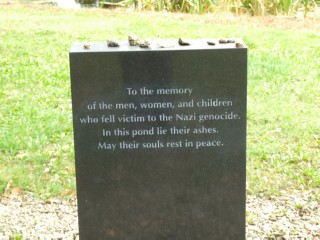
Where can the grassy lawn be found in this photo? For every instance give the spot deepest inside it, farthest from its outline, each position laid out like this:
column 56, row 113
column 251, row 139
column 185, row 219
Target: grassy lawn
column 36, row 139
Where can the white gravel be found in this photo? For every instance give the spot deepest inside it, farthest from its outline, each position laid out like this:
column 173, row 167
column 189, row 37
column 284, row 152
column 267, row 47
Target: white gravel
column 29, row 218
column 293, row 215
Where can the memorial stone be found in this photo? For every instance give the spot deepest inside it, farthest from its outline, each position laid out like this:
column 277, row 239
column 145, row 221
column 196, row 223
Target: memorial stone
column 160, row 140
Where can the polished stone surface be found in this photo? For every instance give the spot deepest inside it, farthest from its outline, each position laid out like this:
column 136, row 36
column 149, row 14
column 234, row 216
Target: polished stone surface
column 177, row 185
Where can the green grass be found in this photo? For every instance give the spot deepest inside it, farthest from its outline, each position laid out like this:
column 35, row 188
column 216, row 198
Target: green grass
column 254, row 7
column 36, row 141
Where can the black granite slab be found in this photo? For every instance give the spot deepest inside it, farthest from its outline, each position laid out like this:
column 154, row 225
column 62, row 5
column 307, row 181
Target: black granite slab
column 160, row 141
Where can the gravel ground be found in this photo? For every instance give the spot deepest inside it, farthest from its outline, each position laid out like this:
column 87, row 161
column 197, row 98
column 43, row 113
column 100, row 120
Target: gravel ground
column 288, row 216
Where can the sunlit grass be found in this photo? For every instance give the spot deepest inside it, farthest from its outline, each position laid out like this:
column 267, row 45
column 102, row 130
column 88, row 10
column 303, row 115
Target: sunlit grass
column 253, row 7
column 36, row 141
